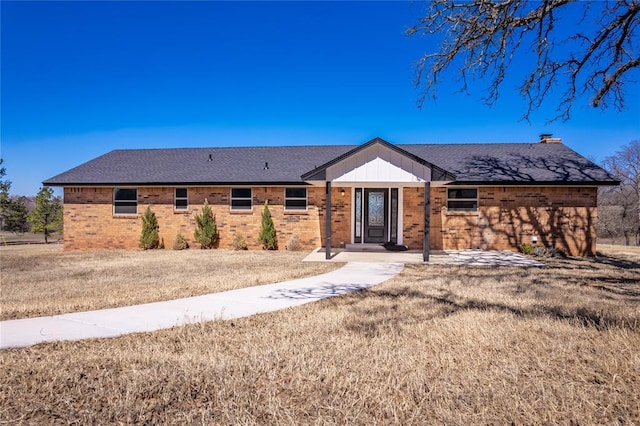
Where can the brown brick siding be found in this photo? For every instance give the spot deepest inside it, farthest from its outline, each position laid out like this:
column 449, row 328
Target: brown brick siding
column 563, row 217
column 89, row 221
column 413, row 217
column 340, row 215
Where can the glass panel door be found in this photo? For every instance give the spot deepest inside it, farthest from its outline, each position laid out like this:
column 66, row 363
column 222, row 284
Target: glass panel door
column 375, row 224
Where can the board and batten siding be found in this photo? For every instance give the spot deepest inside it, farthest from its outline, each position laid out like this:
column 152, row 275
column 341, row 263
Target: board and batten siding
column 378, row 163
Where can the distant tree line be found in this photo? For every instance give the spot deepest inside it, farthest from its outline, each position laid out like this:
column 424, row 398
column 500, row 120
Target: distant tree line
column 619, row 206
column 19, row 214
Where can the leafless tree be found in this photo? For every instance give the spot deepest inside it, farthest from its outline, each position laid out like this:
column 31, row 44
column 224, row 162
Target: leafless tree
column 625, row 166
column 587, row 48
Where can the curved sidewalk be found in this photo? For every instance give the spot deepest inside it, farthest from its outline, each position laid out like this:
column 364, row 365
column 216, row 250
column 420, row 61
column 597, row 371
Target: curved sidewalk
column 225, row 305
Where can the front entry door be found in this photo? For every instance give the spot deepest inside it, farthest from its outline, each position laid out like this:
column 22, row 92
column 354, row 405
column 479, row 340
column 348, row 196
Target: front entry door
column 375, row 215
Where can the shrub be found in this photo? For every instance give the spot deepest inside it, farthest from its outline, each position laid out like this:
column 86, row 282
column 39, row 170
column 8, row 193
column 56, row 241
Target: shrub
column 293, row 244
column 526, row 248
column 206, row 232
column 267, row 230
column 149, row 238
column 239, row 243
column 180, row 243
column 539, row 251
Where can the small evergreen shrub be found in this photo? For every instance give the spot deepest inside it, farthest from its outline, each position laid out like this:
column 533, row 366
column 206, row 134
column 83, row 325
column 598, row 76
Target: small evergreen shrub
column 239, row 242
column 180, row 243
column 293, row 244
column 206, row 232
column 267, row 230
column 526, row 248
column 149, row 238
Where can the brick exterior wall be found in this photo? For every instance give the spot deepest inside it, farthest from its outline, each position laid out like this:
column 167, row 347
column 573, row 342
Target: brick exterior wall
column 89, row 221
column 413, row 218
column 563, row 217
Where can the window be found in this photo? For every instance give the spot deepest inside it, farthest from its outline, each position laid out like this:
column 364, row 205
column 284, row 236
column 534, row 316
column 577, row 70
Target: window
column 241, row 198
column 394, row 215
column 181, row 200
column 358, row 219
column 125, row 201
column 462, row 199
column 295, row 198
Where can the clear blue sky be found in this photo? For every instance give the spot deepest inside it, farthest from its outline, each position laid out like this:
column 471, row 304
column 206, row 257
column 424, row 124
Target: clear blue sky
column 81, row 79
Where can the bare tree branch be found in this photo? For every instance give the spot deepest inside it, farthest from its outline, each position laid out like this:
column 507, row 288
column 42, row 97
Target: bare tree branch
column 625, row 165
column 480, row 39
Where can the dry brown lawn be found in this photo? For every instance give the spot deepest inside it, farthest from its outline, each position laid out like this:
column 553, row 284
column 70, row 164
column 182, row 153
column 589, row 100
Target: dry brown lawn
column 434, row 345
column 42, row 280
column 631, row 253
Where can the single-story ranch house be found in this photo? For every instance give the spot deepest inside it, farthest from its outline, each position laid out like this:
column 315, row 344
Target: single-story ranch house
column 425, row 196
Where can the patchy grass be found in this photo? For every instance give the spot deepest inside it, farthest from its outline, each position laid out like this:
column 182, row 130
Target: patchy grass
column 629, row 253
column 42, row 280
column 436, row 344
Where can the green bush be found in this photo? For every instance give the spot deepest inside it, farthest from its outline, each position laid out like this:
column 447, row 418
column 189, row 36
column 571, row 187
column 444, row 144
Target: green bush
column 180, row 243
column 206, row 232
column 149, row 238
column 267, row 230
column 526, row 248
column 239, row 242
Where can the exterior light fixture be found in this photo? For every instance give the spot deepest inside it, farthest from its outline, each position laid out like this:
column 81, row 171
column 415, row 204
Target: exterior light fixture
column 342, row 192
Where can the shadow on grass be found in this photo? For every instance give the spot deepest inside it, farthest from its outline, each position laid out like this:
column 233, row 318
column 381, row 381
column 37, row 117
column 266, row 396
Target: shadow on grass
column 369, row 321
column 584, row 316
column 375, row 310
column 617, row 262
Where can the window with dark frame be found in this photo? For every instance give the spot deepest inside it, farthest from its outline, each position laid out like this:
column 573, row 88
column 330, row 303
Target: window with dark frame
column 125, row 201
column 241, row 198
column 358, row 216
column 181, row 200
column 394, row 215
column 295, row 198
column 462, row 199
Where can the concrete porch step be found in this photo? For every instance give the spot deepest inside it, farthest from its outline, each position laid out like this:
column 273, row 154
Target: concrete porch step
column 364, row 247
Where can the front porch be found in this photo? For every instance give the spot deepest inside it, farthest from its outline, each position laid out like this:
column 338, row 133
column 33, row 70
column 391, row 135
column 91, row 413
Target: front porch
column 374, row 194
column 437, row 257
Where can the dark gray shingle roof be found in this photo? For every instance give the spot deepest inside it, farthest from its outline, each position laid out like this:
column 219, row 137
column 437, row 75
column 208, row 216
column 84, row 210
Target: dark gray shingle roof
column 507, row 163
column 513, row 162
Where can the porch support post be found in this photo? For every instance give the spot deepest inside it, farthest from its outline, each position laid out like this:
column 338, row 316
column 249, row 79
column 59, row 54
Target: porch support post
column 427, row 220
column 327, row 223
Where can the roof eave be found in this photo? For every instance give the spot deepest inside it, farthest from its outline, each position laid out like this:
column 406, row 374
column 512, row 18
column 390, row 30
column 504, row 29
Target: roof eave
column 116, row 184
column 533, row 183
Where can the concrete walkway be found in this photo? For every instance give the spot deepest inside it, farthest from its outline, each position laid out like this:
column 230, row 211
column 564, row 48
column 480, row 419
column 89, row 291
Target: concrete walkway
column 437, row 257
column 226, row 305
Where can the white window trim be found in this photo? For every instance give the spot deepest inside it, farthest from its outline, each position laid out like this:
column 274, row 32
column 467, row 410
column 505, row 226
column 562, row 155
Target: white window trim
column 231, row 198
column 306, row 199
column 115, row 200
column 476, row 199
column 176, row 198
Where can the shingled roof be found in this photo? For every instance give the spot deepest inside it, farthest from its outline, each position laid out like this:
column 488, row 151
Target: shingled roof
column 522, row 163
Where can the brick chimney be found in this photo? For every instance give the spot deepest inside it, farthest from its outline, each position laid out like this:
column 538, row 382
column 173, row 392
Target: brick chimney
column 547, row 138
